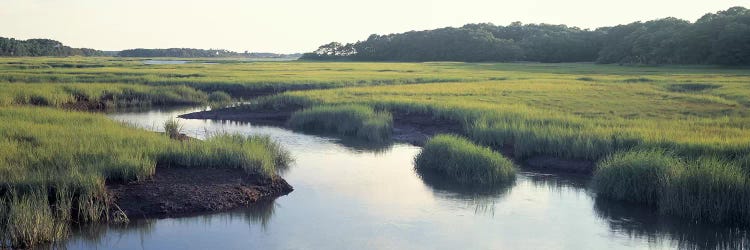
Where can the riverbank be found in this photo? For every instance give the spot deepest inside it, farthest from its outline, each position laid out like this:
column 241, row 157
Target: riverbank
column 410, row 128
column 176, row 191
column 60, row 168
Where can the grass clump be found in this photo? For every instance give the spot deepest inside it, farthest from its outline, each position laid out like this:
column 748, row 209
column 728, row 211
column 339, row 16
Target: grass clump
column 348, row 120
column 464, row 162
column 254, row 154
column 173, row 128
column 219, row 97
column 636, row 176
column 709, row 190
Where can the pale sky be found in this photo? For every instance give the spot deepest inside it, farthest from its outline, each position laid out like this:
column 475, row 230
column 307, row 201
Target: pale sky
column 287, row 26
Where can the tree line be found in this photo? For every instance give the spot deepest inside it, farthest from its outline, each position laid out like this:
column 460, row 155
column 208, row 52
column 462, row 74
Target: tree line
column 177, row 52
column 42, row 47
column 188, row 52
column 716, row 38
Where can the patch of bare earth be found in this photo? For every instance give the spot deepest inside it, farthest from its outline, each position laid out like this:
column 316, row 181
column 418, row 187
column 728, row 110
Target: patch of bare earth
column 183, row 191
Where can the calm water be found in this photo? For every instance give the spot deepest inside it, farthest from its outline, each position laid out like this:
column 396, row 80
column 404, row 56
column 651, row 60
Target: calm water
column 158, row 62
column 350, row 195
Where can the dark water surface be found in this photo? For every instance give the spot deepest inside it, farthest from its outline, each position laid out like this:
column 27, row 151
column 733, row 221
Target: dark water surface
column 356, row 196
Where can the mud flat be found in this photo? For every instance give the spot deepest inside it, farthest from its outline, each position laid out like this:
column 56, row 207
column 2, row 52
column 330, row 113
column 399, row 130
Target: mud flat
column 177, row 191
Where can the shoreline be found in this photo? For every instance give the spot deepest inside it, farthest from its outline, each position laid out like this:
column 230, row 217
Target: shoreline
column 410, row 128
column 181, row 191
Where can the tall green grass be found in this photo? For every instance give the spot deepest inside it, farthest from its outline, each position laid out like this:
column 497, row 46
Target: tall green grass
column 706, row 190
column 349, row 120
column 548, row 111
column 98, row 96
column 709, row 190
column 462, row 161
column 54, row 165
column 254, row 154
column 639, row 176
column 173, row 128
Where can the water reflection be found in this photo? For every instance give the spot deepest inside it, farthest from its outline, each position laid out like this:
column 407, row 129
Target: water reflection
column 638, row 221
column 368, row 196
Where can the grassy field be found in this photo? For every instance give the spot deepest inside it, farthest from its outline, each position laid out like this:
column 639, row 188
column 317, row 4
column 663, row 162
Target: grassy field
column 55, row 159
column 697, row 115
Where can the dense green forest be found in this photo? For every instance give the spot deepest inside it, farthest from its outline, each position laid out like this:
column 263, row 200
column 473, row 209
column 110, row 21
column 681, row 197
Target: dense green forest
column 716, row 38
column 43, row 47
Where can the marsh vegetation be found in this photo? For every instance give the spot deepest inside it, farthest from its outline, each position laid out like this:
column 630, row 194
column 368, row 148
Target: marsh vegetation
column 460, row 160
column 673, row 138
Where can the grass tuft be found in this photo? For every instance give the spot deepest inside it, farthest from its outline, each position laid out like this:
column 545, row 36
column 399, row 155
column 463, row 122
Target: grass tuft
column 173, row 128
column 348, row 120
column 636, row 176
column 464, row 162
column 219, row 97
column 709, row 190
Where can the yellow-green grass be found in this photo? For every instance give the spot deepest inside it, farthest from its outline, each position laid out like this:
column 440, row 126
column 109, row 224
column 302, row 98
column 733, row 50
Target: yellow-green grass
column 103, row 96
column 459, row 160
column 241, row 78
column 565, row 118
column 590, row 112
column 54, row 165
column 640, row 176
column 346, row 120
column 574, row 111
column 706, row 189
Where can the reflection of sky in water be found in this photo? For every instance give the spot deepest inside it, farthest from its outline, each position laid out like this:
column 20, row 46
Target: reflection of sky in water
column 351, row 199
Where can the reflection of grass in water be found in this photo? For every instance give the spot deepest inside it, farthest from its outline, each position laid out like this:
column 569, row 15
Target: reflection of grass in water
column 258, row 213
column 639, row 221
column 351, row 120
column 92, row 234
column 481, row 197
column 557, row 181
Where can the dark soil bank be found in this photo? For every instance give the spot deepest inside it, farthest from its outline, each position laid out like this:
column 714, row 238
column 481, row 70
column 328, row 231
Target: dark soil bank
column 183, row 191
column 412, row 128
column 261, row 117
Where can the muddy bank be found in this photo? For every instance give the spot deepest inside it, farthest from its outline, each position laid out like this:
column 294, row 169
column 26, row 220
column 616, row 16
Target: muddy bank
column 240, row 114
column 411, row 128
column 179, row 191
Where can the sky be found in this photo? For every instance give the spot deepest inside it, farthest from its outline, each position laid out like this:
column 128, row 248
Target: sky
column 288, row 26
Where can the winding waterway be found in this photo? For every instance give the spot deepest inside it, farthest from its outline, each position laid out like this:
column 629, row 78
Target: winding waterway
column 352, row 195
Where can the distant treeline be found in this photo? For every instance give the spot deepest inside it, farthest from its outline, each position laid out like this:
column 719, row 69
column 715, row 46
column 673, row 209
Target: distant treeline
column 188, row 52
column 716, row 38
column 176, row 52
column 47, row 47
column 43, row 47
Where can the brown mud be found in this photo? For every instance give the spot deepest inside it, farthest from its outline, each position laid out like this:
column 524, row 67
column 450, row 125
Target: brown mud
column 412, row 128
column 178, row 191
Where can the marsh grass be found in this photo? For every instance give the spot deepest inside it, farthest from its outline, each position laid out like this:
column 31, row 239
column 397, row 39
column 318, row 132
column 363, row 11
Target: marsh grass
column 348, row 120
column 173, row 128
column 560, row 112
column 54, row 165
column 709, row 190
column 98, row 96
column 254, row 154
column 219, row 97
column 706, row 190
column 639, row 176
column 461, row 161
